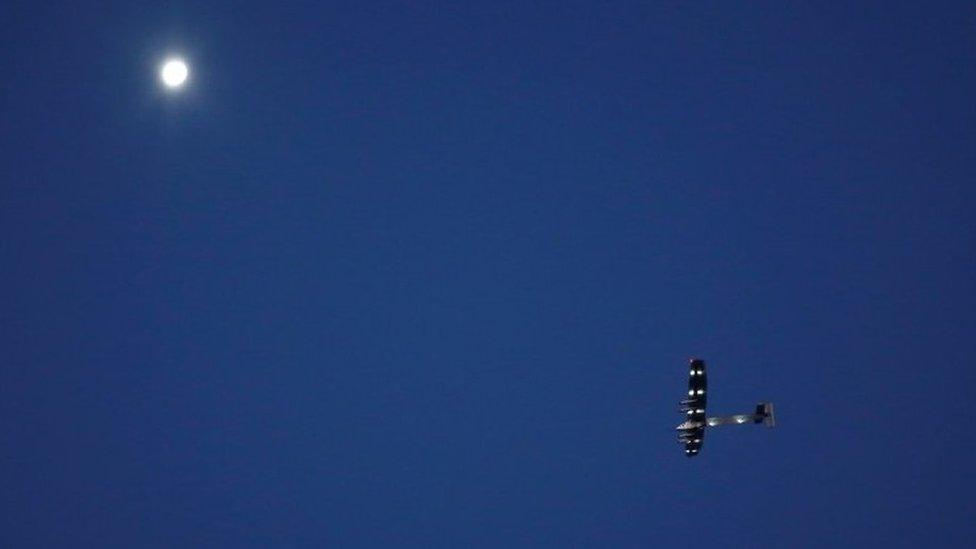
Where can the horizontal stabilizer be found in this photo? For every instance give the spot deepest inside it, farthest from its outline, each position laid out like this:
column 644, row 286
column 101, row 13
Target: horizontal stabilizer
column 769, row 416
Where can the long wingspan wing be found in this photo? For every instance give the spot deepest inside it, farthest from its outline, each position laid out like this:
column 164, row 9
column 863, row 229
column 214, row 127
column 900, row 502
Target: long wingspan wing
column 691, row 433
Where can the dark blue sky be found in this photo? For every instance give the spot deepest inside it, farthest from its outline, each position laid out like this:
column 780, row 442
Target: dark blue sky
column 392, row 275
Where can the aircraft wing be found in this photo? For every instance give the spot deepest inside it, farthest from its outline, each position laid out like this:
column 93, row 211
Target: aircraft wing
column 691, row 433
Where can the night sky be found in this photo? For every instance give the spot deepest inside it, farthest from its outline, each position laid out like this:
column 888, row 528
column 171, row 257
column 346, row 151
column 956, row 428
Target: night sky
column 428, row 275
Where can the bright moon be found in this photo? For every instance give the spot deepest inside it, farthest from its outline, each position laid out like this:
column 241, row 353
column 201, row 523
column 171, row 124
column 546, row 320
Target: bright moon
column 174, row 73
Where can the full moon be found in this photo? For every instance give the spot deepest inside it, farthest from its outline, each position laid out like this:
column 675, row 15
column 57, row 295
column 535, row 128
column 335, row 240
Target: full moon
column 174, row 73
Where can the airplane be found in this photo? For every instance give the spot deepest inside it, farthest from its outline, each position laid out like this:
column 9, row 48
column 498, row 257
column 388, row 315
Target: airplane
column 691, row 432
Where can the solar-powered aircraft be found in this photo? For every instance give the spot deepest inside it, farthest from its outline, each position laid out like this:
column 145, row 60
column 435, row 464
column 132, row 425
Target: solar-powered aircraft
column 692, row 431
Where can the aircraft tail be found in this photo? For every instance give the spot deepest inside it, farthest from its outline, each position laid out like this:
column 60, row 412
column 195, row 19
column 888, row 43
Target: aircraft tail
column 765, row 414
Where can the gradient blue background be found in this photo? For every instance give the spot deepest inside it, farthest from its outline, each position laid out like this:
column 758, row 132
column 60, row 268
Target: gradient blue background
column 415, row 274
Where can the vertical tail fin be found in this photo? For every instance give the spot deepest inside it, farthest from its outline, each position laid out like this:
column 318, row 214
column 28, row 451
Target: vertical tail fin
column 765, row 414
